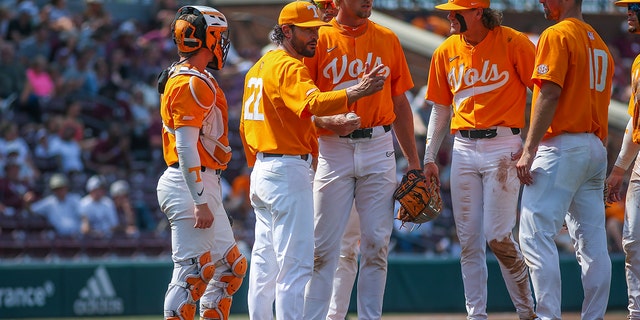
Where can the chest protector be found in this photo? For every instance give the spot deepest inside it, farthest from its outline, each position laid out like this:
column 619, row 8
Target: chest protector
column 212, row 133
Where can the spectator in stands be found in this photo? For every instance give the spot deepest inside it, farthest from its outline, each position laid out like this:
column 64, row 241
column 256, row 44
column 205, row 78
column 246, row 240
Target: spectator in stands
column 134, row 215
column 94, row 17
column 98, row 212
column 14, row 147
column 39, row 89
column 119, row 191
column 45, row 157
column 73, row 118
column 61, row 208
column 112, row 153
column 70, row 151
column 12, row 190
column 38, row 44
column 21, row 26
column 12, row 77
column 59, row 17
column 81, row 80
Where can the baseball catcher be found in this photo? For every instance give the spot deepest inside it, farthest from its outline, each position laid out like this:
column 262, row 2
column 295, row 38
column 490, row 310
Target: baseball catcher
column 419, row 199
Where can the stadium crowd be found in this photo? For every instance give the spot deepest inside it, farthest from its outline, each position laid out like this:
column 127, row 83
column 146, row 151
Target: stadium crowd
column 79, row 112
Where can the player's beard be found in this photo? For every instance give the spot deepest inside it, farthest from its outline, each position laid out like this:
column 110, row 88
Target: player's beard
column 302, row 48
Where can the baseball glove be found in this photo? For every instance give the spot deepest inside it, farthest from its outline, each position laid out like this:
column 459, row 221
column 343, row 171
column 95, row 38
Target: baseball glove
column 420, row 200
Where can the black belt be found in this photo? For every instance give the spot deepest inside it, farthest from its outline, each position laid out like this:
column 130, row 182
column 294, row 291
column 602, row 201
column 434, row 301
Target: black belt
column 202, row 168
column 364, row 132
column 304, row 157
column 484, row 134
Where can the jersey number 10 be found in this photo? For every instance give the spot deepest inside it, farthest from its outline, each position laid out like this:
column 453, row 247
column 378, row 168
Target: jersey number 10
column 598, row 66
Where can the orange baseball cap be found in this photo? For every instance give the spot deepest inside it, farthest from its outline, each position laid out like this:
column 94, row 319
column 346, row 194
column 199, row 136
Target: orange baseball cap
column 624, row 3
column 463, row 4
column 301, row 14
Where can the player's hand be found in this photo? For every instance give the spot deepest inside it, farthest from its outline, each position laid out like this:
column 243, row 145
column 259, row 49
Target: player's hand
column 339, row 124
column 204, row 216
column 614, row 181
column 431, row 170
column 525, row 160
column 373, row 80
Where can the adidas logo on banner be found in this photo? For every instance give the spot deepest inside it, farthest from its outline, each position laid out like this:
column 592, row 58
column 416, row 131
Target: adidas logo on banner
column 98, row 297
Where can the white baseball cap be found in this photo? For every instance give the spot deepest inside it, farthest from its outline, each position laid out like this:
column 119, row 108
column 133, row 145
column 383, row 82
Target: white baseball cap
column 95, row 182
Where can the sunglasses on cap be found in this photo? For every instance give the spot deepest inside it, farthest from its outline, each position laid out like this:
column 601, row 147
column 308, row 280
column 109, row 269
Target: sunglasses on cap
column 323, row 5
column 634, row 7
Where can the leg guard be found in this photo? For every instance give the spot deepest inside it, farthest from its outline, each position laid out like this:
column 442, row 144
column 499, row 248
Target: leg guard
column 198, row 282
column 194, row 284
column 230, row 281
column 237, row 264
column 186, row 311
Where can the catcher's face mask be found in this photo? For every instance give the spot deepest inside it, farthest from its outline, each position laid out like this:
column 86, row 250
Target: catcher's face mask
column 208, row 30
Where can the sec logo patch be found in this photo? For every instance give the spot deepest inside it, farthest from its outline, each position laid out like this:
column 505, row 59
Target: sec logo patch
column 543, row 68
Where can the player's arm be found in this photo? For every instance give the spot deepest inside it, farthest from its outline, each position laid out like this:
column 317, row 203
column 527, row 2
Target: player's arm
column 403, row 128
column 541, row 119
column 339, row 124
column 369, row 84
column 628, row 152
column 436, row 131
column 525, row 55
column 187, row 148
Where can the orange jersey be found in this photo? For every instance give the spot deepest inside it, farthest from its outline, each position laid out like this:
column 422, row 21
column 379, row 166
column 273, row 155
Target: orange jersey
column 486, row 84
column 634, row 110
column 188, row 101
column 278, row 102
column 572, row 55
column 340, row 61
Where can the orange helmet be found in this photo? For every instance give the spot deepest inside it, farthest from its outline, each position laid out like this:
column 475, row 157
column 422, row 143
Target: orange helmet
column 208, row 30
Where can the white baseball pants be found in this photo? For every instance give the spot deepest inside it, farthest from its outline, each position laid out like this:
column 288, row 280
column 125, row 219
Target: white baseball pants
column 347, row 269
column 568, row 172
column 484, row 191
column 188, row 242
column 631, row 243
column 360, row 170
column 282, row 255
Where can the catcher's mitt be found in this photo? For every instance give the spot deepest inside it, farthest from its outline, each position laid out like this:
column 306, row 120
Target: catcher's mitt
column 420, row 200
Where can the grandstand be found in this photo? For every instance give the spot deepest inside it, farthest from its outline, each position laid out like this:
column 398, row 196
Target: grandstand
column 29, row 240
column 23, row 236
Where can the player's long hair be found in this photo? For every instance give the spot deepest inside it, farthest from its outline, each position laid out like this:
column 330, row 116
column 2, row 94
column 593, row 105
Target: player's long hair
column 276, row 35
column 491, row 18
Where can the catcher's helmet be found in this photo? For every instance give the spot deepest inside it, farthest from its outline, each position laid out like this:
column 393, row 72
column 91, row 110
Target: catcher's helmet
column 208, row 30
column 624, row 3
